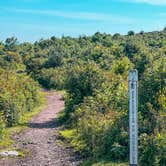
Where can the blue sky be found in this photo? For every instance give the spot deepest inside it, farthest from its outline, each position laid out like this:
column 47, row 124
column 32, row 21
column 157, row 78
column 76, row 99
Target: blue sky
column 30, row 20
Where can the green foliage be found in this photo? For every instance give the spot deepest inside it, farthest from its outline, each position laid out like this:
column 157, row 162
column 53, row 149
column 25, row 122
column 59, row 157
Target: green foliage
column 102, row 163
column 101, row 124
column 11, row 44
column 152, row 149
column 6, row 133
column 93, row 70
column 82, row 81
column 131, row 33
column 52, row 78
column 55, row 59
column 18, row 93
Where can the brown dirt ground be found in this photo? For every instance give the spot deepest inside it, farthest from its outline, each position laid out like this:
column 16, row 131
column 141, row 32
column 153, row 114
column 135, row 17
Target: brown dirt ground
column 40, row 141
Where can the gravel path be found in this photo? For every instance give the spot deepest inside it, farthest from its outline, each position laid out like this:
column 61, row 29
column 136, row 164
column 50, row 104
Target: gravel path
column 40, row 140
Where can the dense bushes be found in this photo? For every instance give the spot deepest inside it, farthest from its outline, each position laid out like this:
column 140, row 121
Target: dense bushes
column 98, row 109
column 18, row 92
column 93, row 70
column 52, row 78
column 97, row 104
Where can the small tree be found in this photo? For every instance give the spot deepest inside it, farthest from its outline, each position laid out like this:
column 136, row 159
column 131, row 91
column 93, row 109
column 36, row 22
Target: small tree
column 55, row 59
column 131, row 33
column 142, row 32
column 11, row 44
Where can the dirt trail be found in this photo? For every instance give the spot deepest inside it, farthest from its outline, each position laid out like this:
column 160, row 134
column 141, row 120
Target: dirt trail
column 40, row 140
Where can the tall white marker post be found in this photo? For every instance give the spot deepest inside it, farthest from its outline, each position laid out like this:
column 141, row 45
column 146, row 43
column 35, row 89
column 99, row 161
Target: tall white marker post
column 133, row 117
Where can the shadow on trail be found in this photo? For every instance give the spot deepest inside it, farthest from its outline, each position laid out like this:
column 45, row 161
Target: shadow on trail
column 48, row 124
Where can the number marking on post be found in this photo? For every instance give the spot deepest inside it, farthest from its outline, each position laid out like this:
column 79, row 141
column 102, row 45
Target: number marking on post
column 133, row 117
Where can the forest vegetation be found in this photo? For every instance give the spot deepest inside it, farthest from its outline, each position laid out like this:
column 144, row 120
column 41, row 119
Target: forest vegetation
column 93, row 71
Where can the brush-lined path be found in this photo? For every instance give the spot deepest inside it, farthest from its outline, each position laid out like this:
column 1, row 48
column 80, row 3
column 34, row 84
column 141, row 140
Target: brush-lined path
column 40, row 141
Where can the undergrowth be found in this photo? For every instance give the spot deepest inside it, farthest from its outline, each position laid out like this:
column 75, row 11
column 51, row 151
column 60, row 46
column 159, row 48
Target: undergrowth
column 6, row 141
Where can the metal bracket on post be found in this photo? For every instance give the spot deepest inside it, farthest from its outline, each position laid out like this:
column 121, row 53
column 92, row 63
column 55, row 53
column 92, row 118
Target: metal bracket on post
column 133, row 116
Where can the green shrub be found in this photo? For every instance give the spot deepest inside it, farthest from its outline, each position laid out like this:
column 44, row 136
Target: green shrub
column 19, row 94
column 81, row 81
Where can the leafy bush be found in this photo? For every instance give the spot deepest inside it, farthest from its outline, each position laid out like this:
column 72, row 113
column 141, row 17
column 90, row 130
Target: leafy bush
column 81, row 81
column 19, row 93
column 52, row 78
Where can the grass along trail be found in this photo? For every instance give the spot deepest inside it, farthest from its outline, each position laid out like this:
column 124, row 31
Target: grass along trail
column 40, row 140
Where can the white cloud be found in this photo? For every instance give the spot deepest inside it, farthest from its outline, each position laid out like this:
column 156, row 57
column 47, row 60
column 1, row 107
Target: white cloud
column 76, row 15
column 152, row 2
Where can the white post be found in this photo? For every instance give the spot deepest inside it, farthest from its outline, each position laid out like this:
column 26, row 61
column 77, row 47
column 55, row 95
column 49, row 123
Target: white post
column 133, row 117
